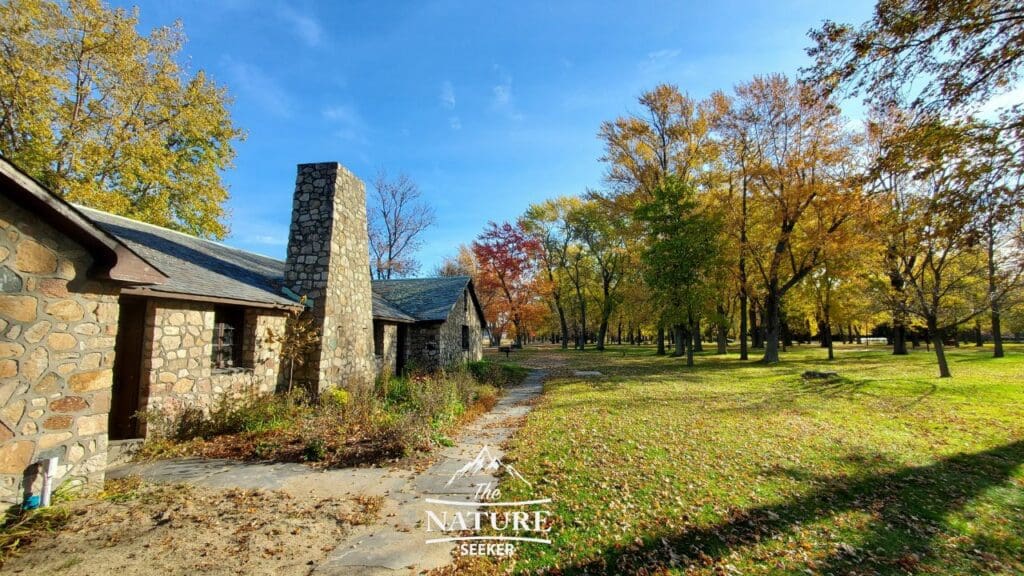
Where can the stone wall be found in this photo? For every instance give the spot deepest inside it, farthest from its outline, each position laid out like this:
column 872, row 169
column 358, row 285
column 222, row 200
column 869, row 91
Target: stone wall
column 439, row 345
column 177, row 360
column 425, row 346
column 387, row 360
column 57, row 336
column 450, row 336
column 328, row 261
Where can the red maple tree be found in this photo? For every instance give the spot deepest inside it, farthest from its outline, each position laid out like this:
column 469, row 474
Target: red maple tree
column 507, row 255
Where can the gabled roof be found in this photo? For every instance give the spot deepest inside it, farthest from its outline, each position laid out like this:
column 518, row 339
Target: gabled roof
column 428, row 299
column 384, row 310
column 204, row 269
column 199, row 267
column 114, row 260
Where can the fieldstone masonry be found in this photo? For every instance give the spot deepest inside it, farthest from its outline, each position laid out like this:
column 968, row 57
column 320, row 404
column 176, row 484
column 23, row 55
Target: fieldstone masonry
column 439, row 345
column 177, row 366
column 56, row 354
column 387, row 360
column 328, row 262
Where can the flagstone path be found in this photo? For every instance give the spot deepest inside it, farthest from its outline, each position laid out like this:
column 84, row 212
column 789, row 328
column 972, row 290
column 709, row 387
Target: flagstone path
column 395, row 544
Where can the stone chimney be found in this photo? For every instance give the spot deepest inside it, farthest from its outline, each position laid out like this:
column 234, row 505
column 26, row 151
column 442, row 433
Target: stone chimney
column 328, row 261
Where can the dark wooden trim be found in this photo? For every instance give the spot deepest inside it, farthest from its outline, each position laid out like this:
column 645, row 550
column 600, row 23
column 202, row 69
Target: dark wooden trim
column 150, row 293
column 114, row 260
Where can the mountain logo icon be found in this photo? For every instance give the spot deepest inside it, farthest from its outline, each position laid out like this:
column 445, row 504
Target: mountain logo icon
column 486, row 462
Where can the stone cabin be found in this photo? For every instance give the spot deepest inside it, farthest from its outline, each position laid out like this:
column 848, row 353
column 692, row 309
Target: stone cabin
column 103, row 318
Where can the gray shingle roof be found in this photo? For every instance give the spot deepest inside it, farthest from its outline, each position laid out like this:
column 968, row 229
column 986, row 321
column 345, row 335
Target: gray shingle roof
column 201, row 267
column 385, row 310
column 196, row 266
column 426, row 299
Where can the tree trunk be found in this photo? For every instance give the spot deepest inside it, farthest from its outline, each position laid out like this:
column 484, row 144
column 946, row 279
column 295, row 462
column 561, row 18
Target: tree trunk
column 678, row 332
column 756, row 331
column 723, row 332
column 940, row 353
column 772, row 326
column 979, row 340
column 743, row 274
column 899, row 333
column 602, row 333
column 619, row 338
column 743, row 323
column 581, row 336
column 997, row 334
column 828, row 339
column 661, row 340
column 997, row 330
column 698, row 344
column 563, row 324
column 689, row 348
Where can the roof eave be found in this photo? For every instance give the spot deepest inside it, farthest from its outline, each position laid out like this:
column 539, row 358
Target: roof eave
column 164, row 294
column 114, row 260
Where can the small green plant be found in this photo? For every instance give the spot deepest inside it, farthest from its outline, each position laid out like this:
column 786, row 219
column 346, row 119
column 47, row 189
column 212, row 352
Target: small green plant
column 336, row 398
column 315, row 451
column 264, row 449
column 19, row 528
column 498, row 374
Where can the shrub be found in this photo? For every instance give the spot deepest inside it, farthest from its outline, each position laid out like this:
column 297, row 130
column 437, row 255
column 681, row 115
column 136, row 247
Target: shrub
column 337, row 398
column 498, row 374
column 315, row 450
column 231, row 416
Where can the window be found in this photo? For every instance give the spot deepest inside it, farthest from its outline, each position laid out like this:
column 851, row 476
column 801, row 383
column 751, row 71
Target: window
column 228, row 332
column 378, row 338
column 465, row 337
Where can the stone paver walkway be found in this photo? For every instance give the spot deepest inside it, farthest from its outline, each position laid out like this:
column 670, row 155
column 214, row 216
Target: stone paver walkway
column 395, row 544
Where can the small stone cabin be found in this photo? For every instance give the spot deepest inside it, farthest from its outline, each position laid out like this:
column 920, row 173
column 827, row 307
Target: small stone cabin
column 103, row 318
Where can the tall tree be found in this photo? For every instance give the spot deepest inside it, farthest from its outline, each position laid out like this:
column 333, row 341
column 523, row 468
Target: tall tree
column 945, row 56
column 398, row 219
column 106, row 117
column 939, row 256
column 999, row 210
column 682, row 251
column 601, row 232
column 506, row 255
column 548, row 222
column 803, row 197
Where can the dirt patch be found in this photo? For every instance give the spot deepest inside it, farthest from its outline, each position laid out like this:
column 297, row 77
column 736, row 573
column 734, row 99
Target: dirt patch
column 179, row 529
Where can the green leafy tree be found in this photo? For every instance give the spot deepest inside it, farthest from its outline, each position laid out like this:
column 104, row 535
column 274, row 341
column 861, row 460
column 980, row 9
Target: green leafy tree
column 682, row 252
column 107, row 118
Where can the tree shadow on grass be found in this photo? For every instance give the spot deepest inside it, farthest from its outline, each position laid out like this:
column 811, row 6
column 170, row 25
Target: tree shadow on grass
column 908, row 508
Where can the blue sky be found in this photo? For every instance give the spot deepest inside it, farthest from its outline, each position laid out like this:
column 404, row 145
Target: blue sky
column 488, row 106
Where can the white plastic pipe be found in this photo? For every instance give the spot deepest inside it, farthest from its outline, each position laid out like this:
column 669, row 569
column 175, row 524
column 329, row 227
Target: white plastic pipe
column 49, row 471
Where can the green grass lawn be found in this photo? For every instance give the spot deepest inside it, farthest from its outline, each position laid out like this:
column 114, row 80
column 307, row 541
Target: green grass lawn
column 734, row 467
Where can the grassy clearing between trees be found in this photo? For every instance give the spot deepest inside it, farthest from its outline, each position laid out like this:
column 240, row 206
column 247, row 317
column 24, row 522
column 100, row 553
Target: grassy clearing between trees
column 401, row 416
column 736, row 467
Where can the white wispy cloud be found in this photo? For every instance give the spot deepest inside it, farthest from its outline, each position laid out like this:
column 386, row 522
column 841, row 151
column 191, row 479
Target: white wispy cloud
column 254, row 85
column 455, row 123
column 349, row 123
column 659, row 62
column 305, row 27
column 447, row 95
column 662, row 55
column 502, row 98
